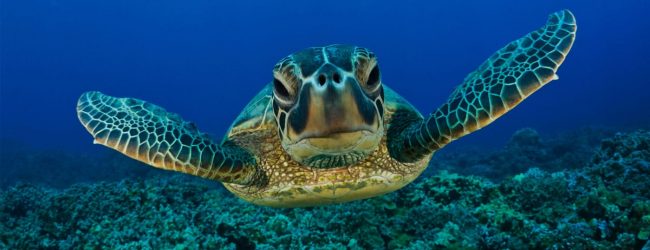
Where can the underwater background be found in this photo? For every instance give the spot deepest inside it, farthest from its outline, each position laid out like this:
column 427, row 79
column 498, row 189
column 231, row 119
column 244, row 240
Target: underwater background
column 569, row 168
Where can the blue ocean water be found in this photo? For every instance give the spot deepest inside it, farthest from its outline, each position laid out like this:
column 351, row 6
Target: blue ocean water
column 206, row 59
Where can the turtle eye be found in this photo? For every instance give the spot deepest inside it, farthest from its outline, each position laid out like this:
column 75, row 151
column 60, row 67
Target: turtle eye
column 281, row 90
column 373, row 77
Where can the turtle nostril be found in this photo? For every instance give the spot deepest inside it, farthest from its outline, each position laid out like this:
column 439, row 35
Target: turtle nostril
column 336, row 77
column 321, row 79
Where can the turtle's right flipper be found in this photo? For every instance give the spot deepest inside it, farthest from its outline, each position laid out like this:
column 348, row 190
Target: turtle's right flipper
column 498, row 85
column 148, row 133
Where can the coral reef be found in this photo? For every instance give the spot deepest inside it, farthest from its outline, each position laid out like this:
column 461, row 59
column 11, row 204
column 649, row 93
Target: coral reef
column 603, row 205
column 526, row 149
column 60, row 169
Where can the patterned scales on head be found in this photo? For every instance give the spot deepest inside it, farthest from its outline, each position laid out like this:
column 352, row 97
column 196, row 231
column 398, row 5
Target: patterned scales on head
column 326, row 129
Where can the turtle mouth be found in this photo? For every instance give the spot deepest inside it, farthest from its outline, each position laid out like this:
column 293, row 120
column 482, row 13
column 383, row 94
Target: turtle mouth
column 335, row 134
column 337, row 141
column 335, row 148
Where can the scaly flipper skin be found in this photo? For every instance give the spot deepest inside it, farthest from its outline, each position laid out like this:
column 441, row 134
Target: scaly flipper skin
column 503, row 81
column 150, row 134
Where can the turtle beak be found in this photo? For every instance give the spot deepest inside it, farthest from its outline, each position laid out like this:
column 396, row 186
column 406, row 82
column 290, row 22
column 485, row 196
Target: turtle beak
column 333, row 111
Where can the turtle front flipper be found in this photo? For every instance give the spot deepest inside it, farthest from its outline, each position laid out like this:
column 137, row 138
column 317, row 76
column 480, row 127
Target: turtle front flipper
column 148, row 133
column 500, row 83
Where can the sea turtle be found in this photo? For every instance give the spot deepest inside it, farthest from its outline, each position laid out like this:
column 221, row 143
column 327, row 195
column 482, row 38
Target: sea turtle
column 326, row 129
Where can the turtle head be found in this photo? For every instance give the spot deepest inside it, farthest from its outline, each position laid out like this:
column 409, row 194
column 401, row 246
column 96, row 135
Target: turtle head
column 328, row 103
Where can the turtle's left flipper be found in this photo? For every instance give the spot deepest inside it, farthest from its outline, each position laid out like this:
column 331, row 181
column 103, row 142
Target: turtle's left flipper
column 148, row 133
column 498, row 85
